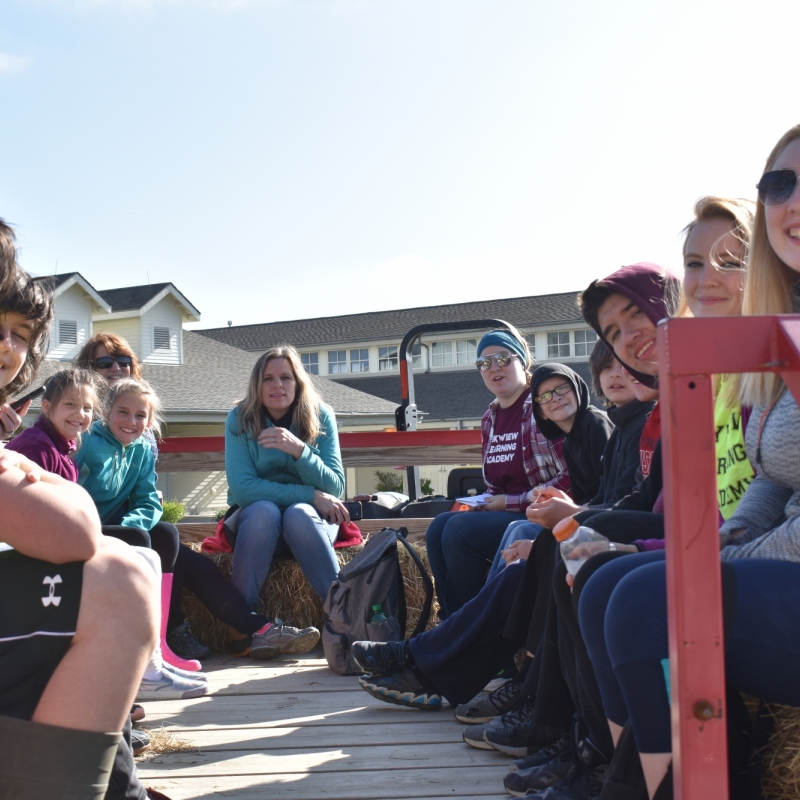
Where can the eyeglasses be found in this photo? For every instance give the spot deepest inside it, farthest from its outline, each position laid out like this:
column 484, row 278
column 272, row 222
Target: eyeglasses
column 503, row 360
column 546, row 397
column 776, row 188
column 106, row 362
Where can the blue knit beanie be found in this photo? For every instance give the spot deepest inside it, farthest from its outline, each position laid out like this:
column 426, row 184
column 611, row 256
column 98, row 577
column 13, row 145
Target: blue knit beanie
column 503, row 339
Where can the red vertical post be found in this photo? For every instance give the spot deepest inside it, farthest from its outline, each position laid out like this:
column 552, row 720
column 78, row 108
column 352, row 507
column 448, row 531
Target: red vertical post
column 694, row 598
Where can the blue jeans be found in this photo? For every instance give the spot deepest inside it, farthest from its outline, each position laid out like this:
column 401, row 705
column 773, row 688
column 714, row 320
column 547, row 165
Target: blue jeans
column 515, row 532
column 265, row 531
column 460, row 544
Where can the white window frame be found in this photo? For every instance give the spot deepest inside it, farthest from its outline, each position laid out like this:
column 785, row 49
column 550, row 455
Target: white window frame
column 586, row 345
column 310, row 362
column 466, row 352
column 339, row 366
column 359, row 360
column 562, row 340
column 443, row 358
column 388, row 358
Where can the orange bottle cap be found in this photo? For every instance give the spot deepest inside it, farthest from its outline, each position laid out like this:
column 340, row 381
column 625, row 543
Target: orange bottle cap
column 565, row 528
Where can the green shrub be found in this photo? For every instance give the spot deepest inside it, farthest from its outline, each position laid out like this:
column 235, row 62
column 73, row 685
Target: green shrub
column 173, row 511
column 388, row 481
column 426, row 486
column 221, row 513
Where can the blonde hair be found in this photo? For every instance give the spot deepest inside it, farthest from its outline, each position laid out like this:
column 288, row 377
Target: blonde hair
column 305, row 416
column 768, row 290
column 140, row 389
column 116, row 346
column 737, row 211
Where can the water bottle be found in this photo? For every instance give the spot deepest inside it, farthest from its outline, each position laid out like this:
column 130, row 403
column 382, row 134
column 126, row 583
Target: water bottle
column 578, row 543
column 377, row 614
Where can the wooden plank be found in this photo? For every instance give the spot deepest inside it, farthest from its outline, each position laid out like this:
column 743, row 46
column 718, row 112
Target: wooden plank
column 207, row 763
column 269, row 711
column 478, row 781
column 191, row 462
column 441, row 730
column 255, row 680
column 195, row 531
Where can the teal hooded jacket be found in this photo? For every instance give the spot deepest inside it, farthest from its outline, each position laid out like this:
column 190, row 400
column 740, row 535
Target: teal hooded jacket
column 258, row 473
column 115, row 474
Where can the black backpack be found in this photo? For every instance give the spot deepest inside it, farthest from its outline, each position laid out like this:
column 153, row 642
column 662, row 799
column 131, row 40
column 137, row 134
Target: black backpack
column 373, row 578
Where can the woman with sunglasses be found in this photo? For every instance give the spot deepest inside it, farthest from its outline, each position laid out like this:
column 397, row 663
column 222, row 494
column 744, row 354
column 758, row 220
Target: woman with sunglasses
column 760, row 542
column 517, row 459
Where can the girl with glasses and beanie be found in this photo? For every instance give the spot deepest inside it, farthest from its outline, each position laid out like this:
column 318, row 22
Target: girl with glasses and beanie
column 517, row 459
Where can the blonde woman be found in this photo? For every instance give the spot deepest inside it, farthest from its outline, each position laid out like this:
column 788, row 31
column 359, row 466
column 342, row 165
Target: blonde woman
column 285, row 472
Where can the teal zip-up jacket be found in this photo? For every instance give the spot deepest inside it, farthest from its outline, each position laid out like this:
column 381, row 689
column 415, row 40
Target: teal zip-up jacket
column 115, row 474
column 257, row 473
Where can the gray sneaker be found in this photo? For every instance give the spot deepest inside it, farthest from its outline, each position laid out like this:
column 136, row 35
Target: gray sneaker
column 486, row 706
column 280, row 639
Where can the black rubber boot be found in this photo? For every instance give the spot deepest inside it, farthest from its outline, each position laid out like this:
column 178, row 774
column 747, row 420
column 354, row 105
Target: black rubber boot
column 45, row 762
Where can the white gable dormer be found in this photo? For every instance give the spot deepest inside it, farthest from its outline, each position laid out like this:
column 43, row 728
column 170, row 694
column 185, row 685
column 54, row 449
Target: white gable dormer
column 75, row 301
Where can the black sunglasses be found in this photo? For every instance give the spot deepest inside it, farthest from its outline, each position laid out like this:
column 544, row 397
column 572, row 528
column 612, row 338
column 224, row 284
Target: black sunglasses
column 776, row 188
column 106, row 362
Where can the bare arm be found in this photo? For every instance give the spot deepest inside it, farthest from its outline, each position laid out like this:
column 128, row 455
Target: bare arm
column 43, row 515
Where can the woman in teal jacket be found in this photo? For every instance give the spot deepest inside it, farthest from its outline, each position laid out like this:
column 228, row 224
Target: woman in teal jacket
column 285, row 472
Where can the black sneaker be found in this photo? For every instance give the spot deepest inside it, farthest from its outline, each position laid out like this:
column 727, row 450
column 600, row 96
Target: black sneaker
column 381, row 658
column 584, row 781
column 518, row 735
column 403, row 689
column 140, row 741
column 486, row 706
column 184, row 643
column 542, row 756
column 563, row 757
column 473, row 736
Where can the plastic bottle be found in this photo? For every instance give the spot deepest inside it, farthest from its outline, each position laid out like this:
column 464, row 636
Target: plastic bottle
column 578, row 543
column 377, row 614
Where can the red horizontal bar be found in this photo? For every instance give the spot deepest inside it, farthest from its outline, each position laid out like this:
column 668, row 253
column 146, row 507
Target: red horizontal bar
column 349, row 441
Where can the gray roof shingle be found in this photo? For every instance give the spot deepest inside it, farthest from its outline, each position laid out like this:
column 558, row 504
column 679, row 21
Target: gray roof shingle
column 214, row 377
column 520, row 311
column 131, row 297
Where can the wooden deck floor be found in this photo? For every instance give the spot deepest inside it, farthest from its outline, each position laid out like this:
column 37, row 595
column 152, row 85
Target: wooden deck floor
column 293, row 729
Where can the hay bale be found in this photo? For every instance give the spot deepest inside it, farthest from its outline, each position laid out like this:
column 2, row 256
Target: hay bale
column 780, row 759
column 288, row 595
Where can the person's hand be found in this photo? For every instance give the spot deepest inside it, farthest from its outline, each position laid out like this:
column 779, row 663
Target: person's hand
column 517, row 550
column 548, row 512
column 9, row 459
column 497, row 503
column 281, row 439
column 330, row 508
column 10, row 420
column 540, row 495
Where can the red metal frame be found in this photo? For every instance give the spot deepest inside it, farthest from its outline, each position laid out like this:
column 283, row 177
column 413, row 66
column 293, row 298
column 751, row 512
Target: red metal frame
column 690, row 351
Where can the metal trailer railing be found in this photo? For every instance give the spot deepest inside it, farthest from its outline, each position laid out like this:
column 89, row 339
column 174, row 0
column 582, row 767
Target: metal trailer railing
column 690, row 351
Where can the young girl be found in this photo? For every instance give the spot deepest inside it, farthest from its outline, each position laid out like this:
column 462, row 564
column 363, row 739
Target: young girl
column 116, row 466
column 68, row 405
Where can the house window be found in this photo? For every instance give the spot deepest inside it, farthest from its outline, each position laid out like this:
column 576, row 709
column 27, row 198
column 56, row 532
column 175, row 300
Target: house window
column 558, row 344
column 387, row 358
column 160, row 338
column 530, row 338
column 337, row 361
column 442, row 354
column 416, row 356
column 466, row 351
column 67, row 331
column 310, row 362
column 584, row 342
column 359, row 360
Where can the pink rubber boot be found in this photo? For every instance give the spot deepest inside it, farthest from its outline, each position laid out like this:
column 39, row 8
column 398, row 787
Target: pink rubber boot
column 167, row 654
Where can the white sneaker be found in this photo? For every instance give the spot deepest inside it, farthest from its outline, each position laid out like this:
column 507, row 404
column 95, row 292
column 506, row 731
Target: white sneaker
column 197, row 677
column 170, row 687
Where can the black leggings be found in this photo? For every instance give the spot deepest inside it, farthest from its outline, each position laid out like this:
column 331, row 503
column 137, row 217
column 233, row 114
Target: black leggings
column 163, row 538
column 199, row 574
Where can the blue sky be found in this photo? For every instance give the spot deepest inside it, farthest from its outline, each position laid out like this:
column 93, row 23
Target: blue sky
column 285, row 159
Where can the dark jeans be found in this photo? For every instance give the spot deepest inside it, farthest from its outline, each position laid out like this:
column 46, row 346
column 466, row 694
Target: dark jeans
column 462, row 654
column 461, row 546
column 762, row 648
